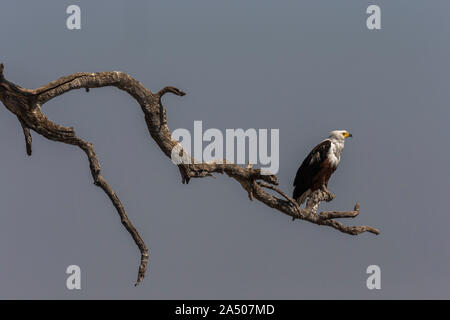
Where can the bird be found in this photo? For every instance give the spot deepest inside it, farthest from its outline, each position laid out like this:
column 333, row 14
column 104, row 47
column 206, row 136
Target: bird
column 319, row 165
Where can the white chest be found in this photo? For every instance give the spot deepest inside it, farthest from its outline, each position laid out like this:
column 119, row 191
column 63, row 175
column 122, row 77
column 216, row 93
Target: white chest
column 334, row 154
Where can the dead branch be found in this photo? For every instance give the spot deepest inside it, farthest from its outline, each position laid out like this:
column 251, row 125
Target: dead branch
column 26, row 104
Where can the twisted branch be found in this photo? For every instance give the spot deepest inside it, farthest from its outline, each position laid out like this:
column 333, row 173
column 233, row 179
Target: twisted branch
column 26, row 104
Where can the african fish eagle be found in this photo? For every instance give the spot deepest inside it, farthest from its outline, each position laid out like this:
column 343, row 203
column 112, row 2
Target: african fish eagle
column 319, row 165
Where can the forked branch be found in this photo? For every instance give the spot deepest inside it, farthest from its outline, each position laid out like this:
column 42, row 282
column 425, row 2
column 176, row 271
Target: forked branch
column 27, row 104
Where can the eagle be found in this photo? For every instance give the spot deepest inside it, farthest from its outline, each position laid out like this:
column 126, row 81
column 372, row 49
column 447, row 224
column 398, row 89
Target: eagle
column 319, row 165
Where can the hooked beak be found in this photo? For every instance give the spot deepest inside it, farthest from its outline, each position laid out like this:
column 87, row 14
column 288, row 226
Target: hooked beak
column 347, row 135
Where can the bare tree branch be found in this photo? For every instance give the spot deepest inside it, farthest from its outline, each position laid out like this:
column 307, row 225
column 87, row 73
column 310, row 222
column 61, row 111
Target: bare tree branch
column 26, row 104
column 340, row 214
column 28, row 138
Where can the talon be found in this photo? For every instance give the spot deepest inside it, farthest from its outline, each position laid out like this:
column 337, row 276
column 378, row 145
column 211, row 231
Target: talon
column 330, row 196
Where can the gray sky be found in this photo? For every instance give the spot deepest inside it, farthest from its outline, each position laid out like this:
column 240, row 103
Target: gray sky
column 305, row 67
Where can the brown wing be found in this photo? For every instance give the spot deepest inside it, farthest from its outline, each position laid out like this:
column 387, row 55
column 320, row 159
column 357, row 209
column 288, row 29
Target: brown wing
column 310, row 168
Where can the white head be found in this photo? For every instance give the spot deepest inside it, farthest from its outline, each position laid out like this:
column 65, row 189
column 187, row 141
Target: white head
column 340, row 135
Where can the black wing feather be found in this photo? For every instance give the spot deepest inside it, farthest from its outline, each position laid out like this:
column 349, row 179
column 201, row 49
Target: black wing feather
column 310, row 167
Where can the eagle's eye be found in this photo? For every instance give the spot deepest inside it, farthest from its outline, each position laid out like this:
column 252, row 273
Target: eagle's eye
column 345, row 134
